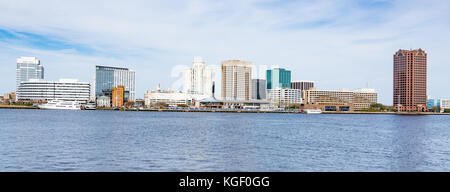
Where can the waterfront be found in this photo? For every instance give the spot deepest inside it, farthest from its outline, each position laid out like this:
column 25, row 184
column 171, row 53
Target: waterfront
column 41, row 140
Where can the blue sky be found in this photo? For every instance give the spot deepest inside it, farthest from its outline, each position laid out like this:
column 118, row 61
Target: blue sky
column 337, row 44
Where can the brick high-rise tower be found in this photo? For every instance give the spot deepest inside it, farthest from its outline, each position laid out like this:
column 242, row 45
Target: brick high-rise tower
column 410, row 80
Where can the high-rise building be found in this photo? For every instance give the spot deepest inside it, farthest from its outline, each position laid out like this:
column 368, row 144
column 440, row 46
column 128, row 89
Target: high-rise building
column 108, row 77
column 410, row 80
column 302, row 85
column 64, row 89
column 258, row 89
column 117, row 97
column 236, row 80
column 278, row 78
column 28, row 68
column 198, row 78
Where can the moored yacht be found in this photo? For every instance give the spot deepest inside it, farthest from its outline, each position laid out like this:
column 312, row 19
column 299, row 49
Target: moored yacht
column 90, row 106
column 313, row 111
column 58, row 104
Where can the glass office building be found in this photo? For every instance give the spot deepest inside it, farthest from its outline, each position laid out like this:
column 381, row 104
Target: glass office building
column 433, row 102
column 108, row 77
column 278, row 78
column 28, row 68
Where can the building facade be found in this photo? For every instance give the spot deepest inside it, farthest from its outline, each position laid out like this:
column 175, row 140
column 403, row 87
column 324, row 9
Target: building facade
column 278, row 78
column 258, row 89
column 9, row 98
column 117, row 98
column 410, row 80
column 431, row 102
column 236, row 80
column 108, row 77
column 340, row 100
column 64, row 89
column 284, row 96
column 302, row 85
column 363, row 98
column 445, row 105
column 28, row 68
column 103, row 101
column 198, row 78
column 171, row 98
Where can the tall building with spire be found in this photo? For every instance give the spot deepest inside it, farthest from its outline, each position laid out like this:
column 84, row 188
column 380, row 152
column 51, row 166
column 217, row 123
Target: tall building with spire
column 198, row 78
column 410, row 80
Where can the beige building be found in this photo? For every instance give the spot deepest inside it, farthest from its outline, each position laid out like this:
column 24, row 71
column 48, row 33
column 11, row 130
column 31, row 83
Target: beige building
column 103, row 101
column 363, row 98
column 236, row 80
column 343, row 99
column 10, row 96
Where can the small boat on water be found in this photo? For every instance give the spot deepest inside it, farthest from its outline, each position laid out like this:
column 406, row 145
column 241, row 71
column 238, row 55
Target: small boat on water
column 58, row 104
column 90, row 106
column 313, row 111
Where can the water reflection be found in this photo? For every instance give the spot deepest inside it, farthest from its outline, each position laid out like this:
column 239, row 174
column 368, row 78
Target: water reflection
column 408, row 136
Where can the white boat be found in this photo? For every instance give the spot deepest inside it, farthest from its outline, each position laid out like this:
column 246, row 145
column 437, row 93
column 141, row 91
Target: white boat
column 90, row 106
column 313, row 111
column 64, row 105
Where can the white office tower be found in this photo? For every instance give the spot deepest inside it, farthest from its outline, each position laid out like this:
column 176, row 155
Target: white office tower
column 284, row 96
column 64, row 89
column 28, row 68
column 236, row 80
column 198, row 78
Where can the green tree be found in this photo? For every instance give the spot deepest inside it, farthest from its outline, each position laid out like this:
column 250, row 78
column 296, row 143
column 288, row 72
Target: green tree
column 378, row 107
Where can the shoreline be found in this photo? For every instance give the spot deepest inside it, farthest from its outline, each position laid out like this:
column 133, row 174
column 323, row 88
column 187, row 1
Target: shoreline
column 242, row 111
column 16, row 107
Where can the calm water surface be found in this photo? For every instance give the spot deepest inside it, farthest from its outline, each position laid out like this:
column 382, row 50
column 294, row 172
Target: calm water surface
column 40, row 140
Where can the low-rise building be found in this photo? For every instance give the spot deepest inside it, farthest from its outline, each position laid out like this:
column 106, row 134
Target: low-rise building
column 284, row 96
column 171, row 98
column 363, row 98
column 340, row 100
column 64, row 89
column 117, row 97
column 445, row 105
column 103, row 101
column 245, row 104
column 9, row 98
column 432, row 102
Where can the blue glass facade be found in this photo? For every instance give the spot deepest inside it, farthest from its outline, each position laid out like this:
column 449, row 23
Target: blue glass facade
column 104, row 81
column 278, row 78
column 108, row 77
column 433, row 103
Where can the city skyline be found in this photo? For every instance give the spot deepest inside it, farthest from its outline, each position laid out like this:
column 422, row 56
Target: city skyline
column 346, row 44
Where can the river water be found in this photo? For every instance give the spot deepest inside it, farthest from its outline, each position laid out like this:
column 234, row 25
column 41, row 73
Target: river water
column 46, row 140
